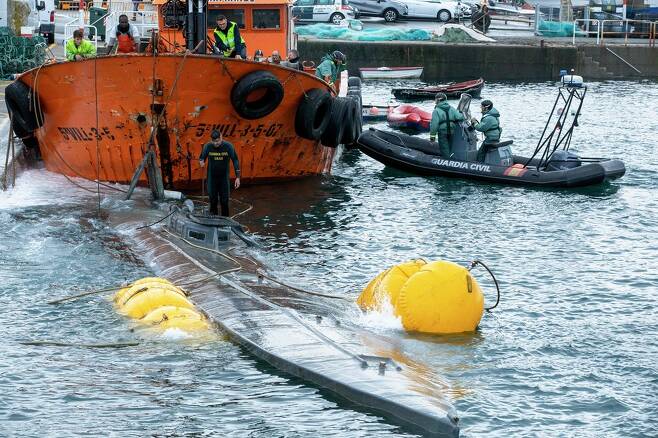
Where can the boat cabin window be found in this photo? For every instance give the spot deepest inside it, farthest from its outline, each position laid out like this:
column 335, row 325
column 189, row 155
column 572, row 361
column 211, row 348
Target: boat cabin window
column 266, row 19
column 196, row 235
column 235, row 15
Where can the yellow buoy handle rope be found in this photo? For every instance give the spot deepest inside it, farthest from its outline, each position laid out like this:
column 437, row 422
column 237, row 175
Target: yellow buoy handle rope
column 474, row 263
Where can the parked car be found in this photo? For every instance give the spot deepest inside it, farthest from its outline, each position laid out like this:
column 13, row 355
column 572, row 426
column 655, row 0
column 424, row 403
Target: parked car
column 391, row 10
column 332, row 11
column 443, row 11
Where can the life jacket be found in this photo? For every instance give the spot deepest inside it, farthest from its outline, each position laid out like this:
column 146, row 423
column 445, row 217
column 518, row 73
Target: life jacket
column 125, row 43
column 228, row 38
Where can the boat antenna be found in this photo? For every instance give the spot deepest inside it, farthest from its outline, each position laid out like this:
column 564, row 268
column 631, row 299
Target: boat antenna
column 561, row 121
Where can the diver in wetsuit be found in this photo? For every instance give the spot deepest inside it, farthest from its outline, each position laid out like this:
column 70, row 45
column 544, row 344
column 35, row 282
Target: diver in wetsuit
column 219, row 152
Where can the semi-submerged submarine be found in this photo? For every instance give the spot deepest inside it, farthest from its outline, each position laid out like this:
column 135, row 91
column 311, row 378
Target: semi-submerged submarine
column 552, row 164
column 298, row 332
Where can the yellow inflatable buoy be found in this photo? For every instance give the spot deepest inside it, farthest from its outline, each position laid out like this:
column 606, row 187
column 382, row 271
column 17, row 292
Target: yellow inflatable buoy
column 383, row 290
column 158, row 303
column 438, row 297
column 167, row 317
column 366, row 300
column 143, row 301
column 442, row 297
column 119, row 296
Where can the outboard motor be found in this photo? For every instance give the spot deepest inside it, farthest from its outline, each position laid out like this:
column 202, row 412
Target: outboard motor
column 563, row 160
column 500, row 154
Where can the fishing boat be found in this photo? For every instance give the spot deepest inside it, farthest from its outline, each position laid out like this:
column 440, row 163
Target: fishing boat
column 100, row 118
column 552, row 164
column 453, row 91
column 409, row 118
column 302, row 333
column 391, row 72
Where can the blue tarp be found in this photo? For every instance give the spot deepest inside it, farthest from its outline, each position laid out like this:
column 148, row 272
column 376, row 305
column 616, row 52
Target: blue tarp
column 330, row 31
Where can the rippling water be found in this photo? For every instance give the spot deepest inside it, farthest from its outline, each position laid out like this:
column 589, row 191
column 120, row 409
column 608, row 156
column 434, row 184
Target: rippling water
column 570, row 351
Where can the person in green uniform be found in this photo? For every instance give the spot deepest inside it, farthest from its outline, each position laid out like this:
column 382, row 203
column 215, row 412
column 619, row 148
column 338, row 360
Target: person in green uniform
column 219, row 152
column 444, row 122
column 330, row 67
column 489, row 125
column 78, row 48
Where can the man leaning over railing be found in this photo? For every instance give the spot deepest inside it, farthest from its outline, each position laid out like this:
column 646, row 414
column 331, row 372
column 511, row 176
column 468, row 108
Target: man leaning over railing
column 78, row 48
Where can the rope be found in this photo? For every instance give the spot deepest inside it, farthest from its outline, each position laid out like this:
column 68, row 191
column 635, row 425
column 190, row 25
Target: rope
column 251, row 207
column 93, row 292
column 71, row 344
column 474, row 263
column 261, row 273
column 98, row 153
column 226, row 256
column 157, row 222
column 9, row 142
column 226, row 70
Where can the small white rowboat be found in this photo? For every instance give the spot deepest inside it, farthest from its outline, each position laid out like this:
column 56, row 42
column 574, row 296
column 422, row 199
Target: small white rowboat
column 391, row 72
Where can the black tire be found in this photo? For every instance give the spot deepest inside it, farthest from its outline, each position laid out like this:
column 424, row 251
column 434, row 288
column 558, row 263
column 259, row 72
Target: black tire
column 444, row 16
column 262, row 82
column 351, row 121
column 336, row 18
column 333, row 135
column 390, row 15
column 313, row 114
column 354, row 81
column 18, row 97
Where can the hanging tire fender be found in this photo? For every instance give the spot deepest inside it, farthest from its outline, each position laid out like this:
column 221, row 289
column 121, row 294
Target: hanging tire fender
column 333, row 135
column 313, row 114
column 256, row 94
column 19, row 99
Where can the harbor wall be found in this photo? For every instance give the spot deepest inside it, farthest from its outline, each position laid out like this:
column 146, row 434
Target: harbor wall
column 493, row 62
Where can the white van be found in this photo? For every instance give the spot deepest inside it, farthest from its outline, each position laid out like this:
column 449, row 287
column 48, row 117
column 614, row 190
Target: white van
column 333, row 11
column 41, row 20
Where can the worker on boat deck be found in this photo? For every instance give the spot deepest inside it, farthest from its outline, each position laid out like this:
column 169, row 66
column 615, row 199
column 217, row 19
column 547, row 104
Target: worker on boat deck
column 125, row 34
column 330, row 67
column 275, row 58
column 489, row 125
column 293, row 61
column 444, row 123
column 228, row 41
column 78, row 48
column 219, row 152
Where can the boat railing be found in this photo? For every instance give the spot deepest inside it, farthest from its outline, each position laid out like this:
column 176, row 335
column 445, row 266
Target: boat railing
column 145, row 22
column 69, row 28
column 625, row 27
column 587, row 22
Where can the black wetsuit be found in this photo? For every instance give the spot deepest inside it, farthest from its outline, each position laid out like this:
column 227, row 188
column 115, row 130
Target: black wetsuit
column 218, row 173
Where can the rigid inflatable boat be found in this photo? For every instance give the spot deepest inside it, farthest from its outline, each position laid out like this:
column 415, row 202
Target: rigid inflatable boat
column 453, row 91
column 551, row 164
column 409, row 118
column 302, row 333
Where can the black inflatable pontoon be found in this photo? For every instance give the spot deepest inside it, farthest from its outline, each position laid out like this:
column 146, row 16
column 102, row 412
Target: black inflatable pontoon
column 551, row 165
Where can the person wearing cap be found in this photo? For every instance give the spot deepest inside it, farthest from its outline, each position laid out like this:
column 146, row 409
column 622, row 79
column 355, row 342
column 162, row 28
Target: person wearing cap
column 219, row 152
column 330, row 67
column 228, row 42
column 489, row 125
column 443, row 124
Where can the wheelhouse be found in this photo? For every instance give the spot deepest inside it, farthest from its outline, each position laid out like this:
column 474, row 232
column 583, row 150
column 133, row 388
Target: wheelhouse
column 264, row 24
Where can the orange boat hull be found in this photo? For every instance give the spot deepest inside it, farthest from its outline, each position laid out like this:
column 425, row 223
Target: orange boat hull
column 98, row 116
